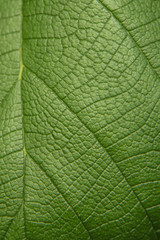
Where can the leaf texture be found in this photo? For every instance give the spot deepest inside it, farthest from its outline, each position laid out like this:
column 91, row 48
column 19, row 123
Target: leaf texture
column 79, row 119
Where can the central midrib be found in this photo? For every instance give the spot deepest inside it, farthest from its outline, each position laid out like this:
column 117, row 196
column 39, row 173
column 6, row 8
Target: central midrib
column 22, row 114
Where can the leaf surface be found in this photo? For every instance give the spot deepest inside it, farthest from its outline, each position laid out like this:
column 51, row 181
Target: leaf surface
column 79, row 119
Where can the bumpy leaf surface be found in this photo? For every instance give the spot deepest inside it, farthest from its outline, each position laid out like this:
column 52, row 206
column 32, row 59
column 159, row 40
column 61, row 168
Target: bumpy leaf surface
column 79, row 119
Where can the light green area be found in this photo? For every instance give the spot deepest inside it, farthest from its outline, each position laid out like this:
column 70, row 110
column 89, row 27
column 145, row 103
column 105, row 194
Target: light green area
column 79, row 120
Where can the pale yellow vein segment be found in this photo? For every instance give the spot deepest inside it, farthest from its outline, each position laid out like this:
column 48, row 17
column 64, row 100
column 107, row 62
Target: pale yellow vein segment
column 21, row 66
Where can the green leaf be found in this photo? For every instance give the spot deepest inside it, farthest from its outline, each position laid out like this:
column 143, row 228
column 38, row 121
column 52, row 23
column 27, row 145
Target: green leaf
column 79, row 119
